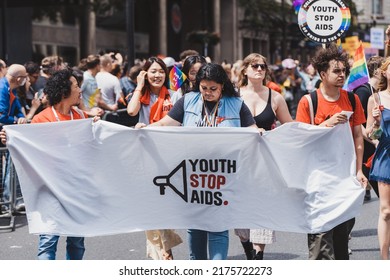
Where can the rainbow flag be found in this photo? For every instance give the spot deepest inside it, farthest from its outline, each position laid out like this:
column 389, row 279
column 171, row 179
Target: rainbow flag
column 176, row 78
column 359, row 72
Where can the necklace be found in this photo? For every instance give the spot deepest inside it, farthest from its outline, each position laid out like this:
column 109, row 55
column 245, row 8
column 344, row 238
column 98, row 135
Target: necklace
column 210, row 116
column 56, row 115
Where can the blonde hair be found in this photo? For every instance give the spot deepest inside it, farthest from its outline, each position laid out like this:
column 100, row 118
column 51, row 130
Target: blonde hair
column 242, row 78
column 383, row 82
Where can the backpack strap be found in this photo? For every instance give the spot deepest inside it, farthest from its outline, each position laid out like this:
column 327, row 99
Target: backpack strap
column 310, row 101
column 313, row 103
column 351, row 97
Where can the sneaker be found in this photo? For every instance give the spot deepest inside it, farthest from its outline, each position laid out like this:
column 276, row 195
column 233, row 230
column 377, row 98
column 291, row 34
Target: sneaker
column 3, row 209
column 20, row 207
column 367, row 196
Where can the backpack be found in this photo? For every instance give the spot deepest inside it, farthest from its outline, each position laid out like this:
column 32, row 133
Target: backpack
column 313, row 103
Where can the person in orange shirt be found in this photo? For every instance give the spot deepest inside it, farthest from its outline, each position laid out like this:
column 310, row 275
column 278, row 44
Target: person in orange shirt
column 333, row 69
column 64, row 95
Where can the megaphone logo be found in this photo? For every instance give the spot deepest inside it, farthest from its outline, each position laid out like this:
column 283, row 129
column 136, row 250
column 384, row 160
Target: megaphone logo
column 175, row 178
column 206, row 182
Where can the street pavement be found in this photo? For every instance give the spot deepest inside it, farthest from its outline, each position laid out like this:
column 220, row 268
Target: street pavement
column 20, row 245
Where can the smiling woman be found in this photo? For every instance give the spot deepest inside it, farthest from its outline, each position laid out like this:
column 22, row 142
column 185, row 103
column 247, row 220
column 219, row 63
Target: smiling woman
column 151, row 98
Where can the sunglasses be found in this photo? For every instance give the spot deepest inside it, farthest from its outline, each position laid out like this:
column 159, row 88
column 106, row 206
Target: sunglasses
column 257, row 65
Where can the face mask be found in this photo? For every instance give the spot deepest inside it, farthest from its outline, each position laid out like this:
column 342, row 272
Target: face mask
column 23, row 82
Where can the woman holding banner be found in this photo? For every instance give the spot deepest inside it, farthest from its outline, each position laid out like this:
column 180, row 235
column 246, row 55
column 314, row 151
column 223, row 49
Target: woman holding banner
column 378, row 127
column 152, row 100
column 266, row 106
column 213, row 103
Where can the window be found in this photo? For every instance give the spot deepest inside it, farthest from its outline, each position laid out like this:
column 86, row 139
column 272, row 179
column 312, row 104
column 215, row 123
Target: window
column 377, row 7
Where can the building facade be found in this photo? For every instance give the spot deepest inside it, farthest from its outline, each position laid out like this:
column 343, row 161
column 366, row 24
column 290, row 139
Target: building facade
column 162, row 27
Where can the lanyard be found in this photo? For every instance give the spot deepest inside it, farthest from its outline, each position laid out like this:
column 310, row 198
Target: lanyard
column 56, row 116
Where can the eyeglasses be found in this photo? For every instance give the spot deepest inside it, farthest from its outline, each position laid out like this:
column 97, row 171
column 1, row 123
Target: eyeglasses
column 257, row 65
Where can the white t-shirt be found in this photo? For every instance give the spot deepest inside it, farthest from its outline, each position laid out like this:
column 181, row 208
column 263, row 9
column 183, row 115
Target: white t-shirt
column 109, row 87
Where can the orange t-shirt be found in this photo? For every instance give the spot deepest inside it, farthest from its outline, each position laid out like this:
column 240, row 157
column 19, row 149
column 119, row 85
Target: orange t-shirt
column 47, row 115
column 326, row 109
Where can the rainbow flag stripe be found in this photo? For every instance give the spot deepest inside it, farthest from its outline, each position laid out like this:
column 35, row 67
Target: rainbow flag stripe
column 359, row 72
column 346, row 18
column 176, row 78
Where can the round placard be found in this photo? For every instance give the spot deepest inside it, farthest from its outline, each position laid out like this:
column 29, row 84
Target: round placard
column 324, row 21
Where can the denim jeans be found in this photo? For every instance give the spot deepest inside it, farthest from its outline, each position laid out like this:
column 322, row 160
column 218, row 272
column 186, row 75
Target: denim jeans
column 218, row 244
column 48, row 247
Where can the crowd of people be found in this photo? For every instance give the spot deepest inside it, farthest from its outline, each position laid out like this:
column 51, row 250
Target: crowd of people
column 248, row 93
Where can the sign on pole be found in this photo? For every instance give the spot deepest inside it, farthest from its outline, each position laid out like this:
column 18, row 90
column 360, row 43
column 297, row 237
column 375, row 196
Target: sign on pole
column 377, row 38
column 324, row 21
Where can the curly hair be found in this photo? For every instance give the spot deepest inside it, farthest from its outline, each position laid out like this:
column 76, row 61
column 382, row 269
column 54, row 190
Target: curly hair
column 216, row 73
column 323, row 56
column 59, row 86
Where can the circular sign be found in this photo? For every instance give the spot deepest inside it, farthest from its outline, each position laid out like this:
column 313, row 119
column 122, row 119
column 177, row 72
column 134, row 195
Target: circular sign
column 176, row 18
column 324, row 21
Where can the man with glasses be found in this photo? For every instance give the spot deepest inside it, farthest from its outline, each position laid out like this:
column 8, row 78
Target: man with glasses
column 11, row 113
column 332, row 101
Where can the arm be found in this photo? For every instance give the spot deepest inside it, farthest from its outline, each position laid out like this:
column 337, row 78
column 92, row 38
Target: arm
column 91, row 112
column 105, row 106
column 134, row 104
column 35, row 103
column 165, row 121
column 373, row 115
column 282, row 113
column 359, row 148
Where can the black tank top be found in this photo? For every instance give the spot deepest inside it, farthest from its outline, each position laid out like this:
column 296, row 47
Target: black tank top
column 266, row 118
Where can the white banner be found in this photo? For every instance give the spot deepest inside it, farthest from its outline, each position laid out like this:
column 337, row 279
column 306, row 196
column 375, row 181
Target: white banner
column 81, row 178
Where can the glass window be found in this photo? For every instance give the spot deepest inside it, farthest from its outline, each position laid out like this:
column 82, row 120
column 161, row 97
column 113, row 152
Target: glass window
column 377, row 7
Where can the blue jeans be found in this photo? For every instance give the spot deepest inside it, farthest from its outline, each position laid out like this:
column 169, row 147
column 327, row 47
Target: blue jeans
column 48, row 247
column 218, row 243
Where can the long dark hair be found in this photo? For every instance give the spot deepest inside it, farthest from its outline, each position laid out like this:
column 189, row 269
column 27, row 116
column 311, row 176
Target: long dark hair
column 188, row 63
column 216, row 73
column 146, row 67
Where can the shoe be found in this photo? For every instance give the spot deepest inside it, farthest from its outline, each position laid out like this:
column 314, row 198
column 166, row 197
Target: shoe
column 4, row 210
column 259, row 255
column 349, row 251
column 367, row 196
column 248, row 249
column 20, row 207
